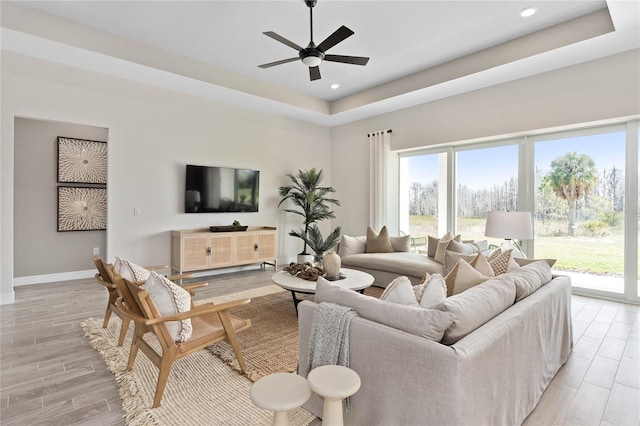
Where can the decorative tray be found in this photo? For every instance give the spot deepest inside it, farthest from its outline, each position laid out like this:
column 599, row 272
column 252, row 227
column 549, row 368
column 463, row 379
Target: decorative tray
column 339, row 277
column 228, row 228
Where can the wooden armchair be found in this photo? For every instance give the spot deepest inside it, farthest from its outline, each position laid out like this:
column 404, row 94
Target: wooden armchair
column 210, row 323
column 105, row 278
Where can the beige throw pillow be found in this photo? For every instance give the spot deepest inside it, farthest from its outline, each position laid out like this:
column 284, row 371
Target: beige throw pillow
column 482, row 265
column 462, row 277
column 524, row 261
column 378, row 243
column 442, row 247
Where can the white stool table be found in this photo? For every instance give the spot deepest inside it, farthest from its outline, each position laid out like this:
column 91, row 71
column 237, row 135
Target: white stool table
column 279, row 393
column 334, row 383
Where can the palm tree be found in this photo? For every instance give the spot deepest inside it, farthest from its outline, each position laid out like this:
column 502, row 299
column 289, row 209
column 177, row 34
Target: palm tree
column 572, row 177
column 310, row 199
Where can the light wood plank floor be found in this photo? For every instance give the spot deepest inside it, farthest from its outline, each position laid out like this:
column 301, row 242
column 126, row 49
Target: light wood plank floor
column 50, row 375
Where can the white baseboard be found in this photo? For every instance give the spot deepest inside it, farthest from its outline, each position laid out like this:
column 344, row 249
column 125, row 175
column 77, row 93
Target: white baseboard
column 6, row 298
column 49, row 278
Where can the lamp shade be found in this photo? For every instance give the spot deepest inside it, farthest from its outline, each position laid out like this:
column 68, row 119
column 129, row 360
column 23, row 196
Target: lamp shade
column 509, row 225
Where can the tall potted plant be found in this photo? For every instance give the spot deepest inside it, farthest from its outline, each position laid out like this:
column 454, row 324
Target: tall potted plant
column 311, row 201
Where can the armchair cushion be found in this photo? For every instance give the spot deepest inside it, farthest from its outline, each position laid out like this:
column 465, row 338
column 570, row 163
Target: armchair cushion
column 170, row 299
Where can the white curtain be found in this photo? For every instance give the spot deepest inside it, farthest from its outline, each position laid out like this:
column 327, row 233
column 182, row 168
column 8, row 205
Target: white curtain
column 379, row 157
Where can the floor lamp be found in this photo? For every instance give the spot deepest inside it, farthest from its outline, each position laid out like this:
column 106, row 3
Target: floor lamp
column 512, row 226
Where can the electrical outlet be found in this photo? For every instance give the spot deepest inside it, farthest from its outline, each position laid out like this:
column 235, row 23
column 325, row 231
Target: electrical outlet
column 96, row 251
column 137, row 211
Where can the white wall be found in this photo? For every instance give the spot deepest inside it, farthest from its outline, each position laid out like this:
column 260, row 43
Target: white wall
column 598, row 90
column 153, row 133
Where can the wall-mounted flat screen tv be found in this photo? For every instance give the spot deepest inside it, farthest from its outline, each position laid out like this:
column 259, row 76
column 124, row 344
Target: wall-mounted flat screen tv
column 221, row 189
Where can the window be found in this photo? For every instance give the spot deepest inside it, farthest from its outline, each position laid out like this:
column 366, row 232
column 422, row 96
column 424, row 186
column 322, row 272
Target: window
column 487, row 179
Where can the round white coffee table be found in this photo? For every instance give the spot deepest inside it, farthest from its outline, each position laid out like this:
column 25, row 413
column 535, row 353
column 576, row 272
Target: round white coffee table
column 354, row 280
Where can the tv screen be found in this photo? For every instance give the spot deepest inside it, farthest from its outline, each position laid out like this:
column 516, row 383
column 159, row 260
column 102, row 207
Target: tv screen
column 221, row 189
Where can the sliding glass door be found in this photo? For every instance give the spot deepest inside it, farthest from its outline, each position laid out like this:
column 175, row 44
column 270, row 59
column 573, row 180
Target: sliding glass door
column 582, row 187
column 579, row 206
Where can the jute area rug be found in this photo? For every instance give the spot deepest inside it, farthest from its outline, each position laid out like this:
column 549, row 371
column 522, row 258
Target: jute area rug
column 202, row 389
column 271, row 344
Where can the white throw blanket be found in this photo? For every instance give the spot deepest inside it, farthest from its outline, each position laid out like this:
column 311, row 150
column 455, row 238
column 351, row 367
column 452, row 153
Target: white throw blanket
column 329, row 338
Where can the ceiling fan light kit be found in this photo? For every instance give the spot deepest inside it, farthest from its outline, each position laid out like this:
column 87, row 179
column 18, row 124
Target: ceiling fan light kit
column 312, row 55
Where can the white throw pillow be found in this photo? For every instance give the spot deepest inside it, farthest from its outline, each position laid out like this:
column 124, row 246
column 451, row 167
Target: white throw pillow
column 400, row 291
column 170, row 299
column 401, row 244
column 432, row 292
column 130, row 271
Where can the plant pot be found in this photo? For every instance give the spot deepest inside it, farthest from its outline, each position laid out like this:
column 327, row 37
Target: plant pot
column 302, row 258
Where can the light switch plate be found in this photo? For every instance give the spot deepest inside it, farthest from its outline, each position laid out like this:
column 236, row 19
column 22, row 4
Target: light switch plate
column 137, row 211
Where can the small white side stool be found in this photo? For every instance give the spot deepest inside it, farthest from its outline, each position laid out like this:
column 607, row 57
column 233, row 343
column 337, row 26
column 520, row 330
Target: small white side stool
column 334, row 383
column 280, row 392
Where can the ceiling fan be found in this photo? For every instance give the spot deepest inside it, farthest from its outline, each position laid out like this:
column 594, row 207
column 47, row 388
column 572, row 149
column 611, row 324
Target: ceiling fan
column 312, row 55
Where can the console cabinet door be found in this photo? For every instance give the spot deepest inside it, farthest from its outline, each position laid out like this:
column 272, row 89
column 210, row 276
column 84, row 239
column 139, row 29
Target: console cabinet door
column 267, row 246
column 221, row 250
column 195, row 252
column 246, row 247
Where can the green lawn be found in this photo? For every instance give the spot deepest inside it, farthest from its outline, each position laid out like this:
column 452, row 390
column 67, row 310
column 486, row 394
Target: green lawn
column 597, row 255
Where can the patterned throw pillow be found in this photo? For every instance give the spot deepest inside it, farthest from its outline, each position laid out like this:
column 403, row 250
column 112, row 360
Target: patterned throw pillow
column 130, row 271
column 378, row 243
column 502, row 261
column 170, row 299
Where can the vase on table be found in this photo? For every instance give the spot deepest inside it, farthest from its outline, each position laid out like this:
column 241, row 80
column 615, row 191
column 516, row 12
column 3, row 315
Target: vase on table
column 331, row 264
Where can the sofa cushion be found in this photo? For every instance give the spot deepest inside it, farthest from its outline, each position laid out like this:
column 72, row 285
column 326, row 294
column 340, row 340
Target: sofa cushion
column 530, row 277
column 378, row 243
column 462, row 277
column 401, row 244
column 409, row 264
column 522, row 261
column 351, row 245
column 431, row 292
column 400, row 291
column 427, row 323
column 477, row 305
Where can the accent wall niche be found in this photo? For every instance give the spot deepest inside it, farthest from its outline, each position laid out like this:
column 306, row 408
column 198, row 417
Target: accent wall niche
column 39, row 249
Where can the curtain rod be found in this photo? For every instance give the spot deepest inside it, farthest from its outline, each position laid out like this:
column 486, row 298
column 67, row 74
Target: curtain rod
column 371, row 134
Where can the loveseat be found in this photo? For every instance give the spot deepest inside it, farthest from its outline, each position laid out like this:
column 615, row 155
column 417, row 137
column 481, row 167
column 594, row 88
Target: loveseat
column 476, row 358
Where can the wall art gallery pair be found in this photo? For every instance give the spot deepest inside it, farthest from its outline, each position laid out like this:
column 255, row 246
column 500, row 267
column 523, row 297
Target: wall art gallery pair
column 82, row 208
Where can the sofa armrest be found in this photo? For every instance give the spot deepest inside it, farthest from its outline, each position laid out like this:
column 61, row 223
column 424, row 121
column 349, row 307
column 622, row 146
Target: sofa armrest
column 394, row 367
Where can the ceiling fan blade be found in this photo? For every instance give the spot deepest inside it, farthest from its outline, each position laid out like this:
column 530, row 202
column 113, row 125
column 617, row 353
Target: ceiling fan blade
column 335, row 38
column 314, row 73
column 273, row 64
column 283, row 40
column 355, row 60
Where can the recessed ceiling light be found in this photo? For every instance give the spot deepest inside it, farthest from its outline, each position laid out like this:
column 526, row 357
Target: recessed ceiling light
column 334, row 86
column 528, row 12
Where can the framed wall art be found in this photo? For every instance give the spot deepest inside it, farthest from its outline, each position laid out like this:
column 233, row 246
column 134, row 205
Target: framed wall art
column 81, row 161
column 82, row 209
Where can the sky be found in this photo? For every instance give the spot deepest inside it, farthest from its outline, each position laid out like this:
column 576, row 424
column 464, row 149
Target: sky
column 485, row 167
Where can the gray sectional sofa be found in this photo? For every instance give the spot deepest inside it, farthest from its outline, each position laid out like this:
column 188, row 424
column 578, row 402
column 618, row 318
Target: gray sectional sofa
column 504, row 340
